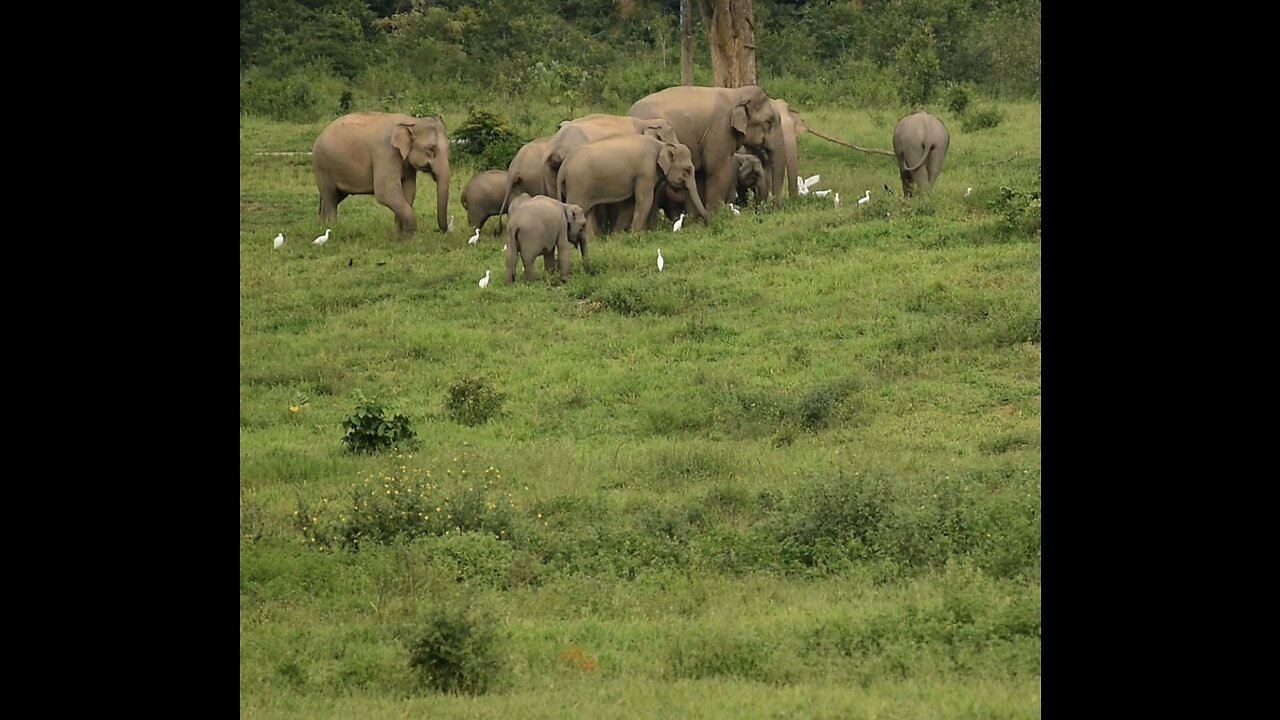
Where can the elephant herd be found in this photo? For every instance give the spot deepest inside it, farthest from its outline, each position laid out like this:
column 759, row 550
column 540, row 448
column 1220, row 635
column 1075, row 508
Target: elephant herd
column 685, row 150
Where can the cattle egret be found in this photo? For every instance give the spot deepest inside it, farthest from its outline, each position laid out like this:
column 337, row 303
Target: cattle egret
column 735, row 210
column 323, row 238
column 275, row 245
column 484, row 281
column 811, row 181
column 966, row 192
column 474, row 238
column 837, row 199
column 450, row 223
column 822, row 193
column 865, row 198
column 800, row 187
column 661, row 263
column 679, row 223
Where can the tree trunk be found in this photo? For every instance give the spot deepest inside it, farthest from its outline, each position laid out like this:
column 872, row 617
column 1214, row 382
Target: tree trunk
column 686, row 44
column 731, row 32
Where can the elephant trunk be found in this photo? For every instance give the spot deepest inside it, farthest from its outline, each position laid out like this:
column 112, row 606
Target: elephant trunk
column 793, row 166
column 442, row 195
column 696, row 201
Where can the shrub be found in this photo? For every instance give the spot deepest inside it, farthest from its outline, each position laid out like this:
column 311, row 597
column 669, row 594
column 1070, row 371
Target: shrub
column 371, row 429
column 487, row 140
column 1019, row 209
column 472, row 402
column 981, row 119
column 958, row 97
column 459, row 648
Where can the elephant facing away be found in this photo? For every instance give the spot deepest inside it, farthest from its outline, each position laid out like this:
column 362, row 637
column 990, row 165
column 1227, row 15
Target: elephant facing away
column 526, row 173
column 623, row 168
column 482, row 198
column 381, row 154
column 544, row 226
column 714, row 123
column 920, row 143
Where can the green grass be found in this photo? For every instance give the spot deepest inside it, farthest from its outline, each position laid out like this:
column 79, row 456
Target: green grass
column 796, row 474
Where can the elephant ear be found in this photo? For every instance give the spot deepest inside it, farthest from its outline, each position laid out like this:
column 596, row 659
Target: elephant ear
column 666, row 157
column 738, row 117
column 402, row 139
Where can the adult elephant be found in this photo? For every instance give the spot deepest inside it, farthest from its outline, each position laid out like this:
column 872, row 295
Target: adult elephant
column 920, row 143
column 623, row 168
column 714, row 123
column 581, row 131
column 525, row 174
column 482, row 198
column 381, row 154
column 792, row 126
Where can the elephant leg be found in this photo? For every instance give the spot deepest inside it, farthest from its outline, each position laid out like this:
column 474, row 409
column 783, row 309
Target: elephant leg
column 644, row 201
column 390, row 192
column 719, row 180
column 549, row 261
column 529, row 257
column 511, row 256
column 586, row 264
column 566, row 256
column 590, row 213
column 330, row 196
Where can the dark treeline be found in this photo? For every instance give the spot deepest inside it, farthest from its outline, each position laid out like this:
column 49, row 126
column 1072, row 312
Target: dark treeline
column 307, row 59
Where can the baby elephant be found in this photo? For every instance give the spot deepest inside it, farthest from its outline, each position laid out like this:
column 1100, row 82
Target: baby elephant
column 540, row 225
column 482, row 198
column 751, row 178
column 920, row 143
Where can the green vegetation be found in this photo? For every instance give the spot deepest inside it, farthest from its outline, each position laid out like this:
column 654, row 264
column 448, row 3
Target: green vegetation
column 796, row 474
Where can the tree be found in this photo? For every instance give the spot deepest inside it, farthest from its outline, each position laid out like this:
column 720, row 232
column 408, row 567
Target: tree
column 686, row 44
column 731, row 32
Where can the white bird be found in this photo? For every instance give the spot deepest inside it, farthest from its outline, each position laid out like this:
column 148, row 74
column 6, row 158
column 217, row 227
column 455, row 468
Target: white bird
column 865, row 198
column 801, row 188
column 679, row 223
column 275, row 244
column 735, row 210
column 474, row 238
column 822, row 193
column 661, row 263
column 323, row 238
column 811, row 181
column 966, row 192
column 837, row 199
column 504, row 247
column 484, row 281
column 450, row 223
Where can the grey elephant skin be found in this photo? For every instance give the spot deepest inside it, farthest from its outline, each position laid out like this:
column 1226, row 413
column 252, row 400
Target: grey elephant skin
column 381, row 154
column 792, row 126
column 624, row 168
column 527, row 174
column 715, row 123
column 544, row 226
column 482, row 198
column 920, row 143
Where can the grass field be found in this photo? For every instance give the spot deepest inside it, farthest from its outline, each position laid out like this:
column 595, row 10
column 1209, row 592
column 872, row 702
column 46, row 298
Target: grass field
column 796, row 474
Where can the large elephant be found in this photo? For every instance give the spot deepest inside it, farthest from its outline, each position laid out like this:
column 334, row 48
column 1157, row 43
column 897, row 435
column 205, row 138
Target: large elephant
column 714, row 123
column 588, row 129
column 525, row 174
column 381, row 154
column 482, row 198
column 920, row 142
column 544, row 226
column 792, row 126
column 623, row 168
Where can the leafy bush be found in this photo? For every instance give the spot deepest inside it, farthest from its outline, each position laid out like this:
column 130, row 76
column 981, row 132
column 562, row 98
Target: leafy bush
column 370, row 429
column 981, row 119
column 917, row 66
column 459, row 649
column 1019, row 209
column 473, row 402
column 487, row 140
column 958, row 97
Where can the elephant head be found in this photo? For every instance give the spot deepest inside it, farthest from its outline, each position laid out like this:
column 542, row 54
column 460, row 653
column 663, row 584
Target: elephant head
column 424, row 145
column 576, row 222
column 659, row 129
column 676, row 163
column 751, row 176
column 758, row 126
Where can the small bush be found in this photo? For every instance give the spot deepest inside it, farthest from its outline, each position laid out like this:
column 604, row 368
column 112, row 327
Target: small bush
column 370, row 429
column 472, row 402
column 1019, row 209
column 487, row 140
column 958, row 97
column 459, row 649
column 981, row 119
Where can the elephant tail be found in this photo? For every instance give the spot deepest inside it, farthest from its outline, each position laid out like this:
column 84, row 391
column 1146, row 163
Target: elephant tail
column 512, row 178
column 923, row 157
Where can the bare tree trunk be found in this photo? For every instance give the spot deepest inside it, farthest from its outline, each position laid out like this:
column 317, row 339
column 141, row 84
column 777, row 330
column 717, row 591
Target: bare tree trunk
column 731, row 32
column 686, row 44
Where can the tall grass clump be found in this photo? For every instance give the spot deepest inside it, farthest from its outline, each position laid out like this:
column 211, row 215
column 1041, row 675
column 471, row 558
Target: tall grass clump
column 459, row 649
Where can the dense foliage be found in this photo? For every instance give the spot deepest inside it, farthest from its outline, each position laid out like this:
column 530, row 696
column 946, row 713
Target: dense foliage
column 309, row 59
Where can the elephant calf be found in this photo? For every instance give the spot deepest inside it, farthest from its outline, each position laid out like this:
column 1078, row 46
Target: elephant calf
column 920, row 143
column 482, row 198
column 539, row 225
column 751, row 179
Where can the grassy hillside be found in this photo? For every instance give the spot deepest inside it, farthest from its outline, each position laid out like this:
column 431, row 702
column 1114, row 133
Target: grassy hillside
column 796, row 474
